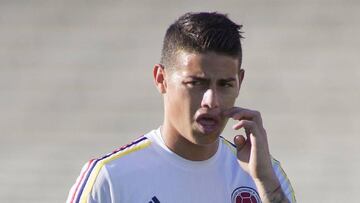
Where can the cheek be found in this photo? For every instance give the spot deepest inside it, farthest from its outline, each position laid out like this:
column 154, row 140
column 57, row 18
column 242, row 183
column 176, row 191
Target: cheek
column 186, row 103
column 178, row 101
column 195, row 98
column 228, row 99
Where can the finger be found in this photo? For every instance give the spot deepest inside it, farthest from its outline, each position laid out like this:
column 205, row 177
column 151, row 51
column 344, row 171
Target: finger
column 250, row 127
column 230, row 111
column 239, row 141
column 238, row 113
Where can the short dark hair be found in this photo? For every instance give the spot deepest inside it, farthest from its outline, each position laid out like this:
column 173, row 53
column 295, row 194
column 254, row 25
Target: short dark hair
column 200, row 33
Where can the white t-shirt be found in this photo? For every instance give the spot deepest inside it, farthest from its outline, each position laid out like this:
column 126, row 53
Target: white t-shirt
column 146, row 171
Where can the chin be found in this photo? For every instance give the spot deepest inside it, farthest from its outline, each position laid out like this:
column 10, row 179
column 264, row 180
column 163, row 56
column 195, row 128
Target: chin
column 202, row 138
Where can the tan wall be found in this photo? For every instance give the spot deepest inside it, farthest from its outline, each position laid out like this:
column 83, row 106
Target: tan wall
column 75, row 83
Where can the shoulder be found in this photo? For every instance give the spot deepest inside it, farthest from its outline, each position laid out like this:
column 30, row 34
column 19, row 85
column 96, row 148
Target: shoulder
column 130, row 152
column 228, row 145
column 96, row 171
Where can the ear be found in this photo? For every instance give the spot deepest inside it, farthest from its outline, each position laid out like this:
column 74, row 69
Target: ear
column 159, row 78
column 241, row 75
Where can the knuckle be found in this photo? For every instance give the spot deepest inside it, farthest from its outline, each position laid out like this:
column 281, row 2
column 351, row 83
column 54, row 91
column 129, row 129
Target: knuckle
column 237, row 116
column 257, row 113
column 242, row 122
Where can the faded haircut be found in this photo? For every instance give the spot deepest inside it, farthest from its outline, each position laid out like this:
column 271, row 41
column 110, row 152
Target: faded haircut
column 201, row 33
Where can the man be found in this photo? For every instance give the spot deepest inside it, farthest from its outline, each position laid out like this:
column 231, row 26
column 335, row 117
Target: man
column 185, row 159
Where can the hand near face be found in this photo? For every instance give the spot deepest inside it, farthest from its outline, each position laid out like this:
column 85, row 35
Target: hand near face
column 253, row 149
column 253, row 153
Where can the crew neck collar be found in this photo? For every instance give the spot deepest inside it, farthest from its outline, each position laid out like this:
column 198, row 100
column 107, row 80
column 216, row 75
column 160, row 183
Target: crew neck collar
column 180, row 161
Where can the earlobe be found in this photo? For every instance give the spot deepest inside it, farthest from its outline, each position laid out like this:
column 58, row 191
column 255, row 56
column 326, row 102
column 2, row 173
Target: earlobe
column 159, row 78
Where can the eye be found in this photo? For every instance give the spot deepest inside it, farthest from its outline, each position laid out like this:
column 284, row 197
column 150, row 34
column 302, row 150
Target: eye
column 226, row 84
column 193, row 83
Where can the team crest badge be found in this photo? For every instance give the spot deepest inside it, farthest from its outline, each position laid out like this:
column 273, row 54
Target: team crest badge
column 245, row 195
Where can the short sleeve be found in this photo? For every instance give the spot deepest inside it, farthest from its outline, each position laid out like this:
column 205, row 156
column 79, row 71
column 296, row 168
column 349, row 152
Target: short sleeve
column 101, row 191
column 284, row 181
column 92, row 186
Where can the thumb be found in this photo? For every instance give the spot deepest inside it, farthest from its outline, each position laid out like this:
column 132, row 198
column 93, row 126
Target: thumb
column 239, row 141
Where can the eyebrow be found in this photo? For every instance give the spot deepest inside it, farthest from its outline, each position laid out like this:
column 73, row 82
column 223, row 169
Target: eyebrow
column 228, row 79
column 198, row 78
column 206, row 79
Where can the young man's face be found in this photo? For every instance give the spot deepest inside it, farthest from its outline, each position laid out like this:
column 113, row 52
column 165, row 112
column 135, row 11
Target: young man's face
column 198, row 90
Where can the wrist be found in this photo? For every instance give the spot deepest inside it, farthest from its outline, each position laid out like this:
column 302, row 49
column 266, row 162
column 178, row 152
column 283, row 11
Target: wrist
column 270, row 190
column 268, row 183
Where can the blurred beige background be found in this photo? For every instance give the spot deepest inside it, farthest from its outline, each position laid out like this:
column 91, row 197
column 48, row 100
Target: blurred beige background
column 76, row 83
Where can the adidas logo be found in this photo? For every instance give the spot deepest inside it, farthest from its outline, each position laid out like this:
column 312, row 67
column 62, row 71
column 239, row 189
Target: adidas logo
column 154, row 200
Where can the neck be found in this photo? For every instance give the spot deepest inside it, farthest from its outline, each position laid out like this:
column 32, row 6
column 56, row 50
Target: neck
column 186, row 148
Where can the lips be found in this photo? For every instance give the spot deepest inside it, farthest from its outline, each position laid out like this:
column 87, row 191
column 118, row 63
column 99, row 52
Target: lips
column 208, row 122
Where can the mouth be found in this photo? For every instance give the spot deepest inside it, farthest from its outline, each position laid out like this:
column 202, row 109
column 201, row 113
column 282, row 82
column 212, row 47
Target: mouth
column 208, row 123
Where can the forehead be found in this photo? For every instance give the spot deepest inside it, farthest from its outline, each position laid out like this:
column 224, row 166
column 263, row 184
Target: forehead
column 209, row 65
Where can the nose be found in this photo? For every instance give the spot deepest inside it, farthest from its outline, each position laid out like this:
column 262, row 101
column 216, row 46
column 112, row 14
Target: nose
column 210, row 99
